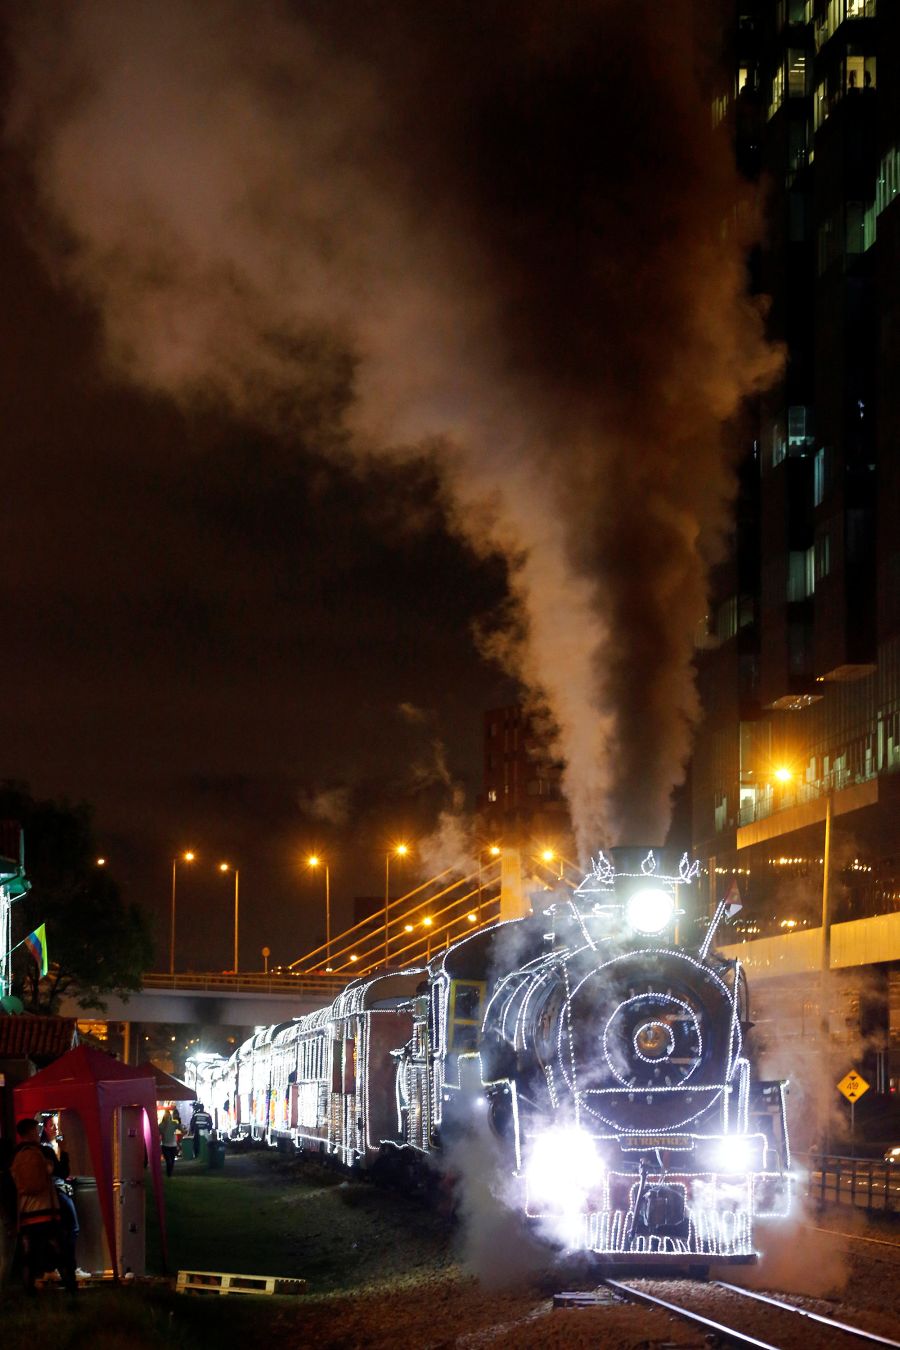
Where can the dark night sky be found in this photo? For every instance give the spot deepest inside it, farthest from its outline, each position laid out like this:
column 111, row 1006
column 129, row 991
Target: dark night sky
column 204, row 629
column 488, row 256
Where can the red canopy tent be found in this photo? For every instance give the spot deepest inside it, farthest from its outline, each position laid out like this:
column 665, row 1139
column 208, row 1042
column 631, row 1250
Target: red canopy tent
column 95, row 1085
column 168, row 1089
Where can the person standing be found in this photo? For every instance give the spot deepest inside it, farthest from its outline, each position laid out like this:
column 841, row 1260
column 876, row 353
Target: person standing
column 201, row 1124
column 168, row 1141
column 51, row 1143
column 43, row 1245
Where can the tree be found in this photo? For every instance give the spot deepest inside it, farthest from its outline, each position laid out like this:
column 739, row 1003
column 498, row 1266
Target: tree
column 97, row 943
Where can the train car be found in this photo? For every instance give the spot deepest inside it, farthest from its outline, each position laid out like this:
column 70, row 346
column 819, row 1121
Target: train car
column 600, row 1040
column 326, row 1081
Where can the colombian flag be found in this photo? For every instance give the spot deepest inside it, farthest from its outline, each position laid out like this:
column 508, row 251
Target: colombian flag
column 36, row 943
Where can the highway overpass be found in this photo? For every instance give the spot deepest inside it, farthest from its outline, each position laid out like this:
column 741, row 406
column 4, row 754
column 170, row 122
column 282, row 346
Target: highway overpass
column 217, row 1000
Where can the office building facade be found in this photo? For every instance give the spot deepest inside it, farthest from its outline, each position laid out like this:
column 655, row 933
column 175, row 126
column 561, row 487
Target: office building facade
column 800, row 673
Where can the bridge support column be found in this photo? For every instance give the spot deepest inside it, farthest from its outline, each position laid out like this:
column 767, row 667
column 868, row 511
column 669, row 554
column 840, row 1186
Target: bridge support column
column 513, row 903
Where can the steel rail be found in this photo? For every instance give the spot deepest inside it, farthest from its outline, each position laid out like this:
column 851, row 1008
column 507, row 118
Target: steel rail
column 832, row 1322
column 852, row 1237
column 739, row 1338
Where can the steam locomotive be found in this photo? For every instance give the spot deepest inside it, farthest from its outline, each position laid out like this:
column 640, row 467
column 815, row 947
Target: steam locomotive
column 597, row 1043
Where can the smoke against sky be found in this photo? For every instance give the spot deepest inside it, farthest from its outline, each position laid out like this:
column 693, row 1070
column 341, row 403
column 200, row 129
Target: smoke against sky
column 499, row 238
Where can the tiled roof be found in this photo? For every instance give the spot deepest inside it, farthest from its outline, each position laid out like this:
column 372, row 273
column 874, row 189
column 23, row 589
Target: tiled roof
column 23, row 1036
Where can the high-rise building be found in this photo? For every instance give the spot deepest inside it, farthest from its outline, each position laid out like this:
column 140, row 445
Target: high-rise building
column 522, row 799
column 800, row 676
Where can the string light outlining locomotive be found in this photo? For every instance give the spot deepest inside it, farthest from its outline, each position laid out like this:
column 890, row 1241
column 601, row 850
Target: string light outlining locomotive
column 604, row 1049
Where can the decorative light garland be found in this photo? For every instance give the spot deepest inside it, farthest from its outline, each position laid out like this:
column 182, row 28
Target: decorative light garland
column 314, row 1081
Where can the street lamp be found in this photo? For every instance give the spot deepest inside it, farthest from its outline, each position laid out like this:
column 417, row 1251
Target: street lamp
column 398, row 851
column 187, row 857
column 313, row 861
column 548, row 856
column 226, row 867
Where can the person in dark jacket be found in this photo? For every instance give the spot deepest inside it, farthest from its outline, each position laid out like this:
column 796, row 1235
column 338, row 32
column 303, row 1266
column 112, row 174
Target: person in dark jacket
column 40, row 1232
column 51, row 1143
column 201, row 1124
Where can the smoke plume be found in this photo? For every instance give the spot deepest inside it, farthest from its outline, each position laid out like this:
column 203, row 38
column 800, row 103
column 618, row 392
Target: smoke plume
column 331, row 805
column 500, row 236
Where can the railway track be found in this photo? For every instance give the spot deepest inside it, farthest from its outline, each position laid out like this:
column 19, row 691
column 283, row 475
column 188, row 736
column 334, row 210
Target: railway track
column 712, row 1305
column 858, row 1238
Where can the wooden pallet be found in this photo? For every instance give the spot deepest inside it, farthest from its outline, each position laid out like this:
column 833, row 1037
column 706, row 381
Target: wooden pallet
column 217, row 1282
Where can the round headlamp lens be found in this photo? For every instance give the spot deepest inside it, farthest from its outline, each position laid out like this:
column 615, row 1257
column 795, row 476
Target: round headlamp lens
column 649, row 910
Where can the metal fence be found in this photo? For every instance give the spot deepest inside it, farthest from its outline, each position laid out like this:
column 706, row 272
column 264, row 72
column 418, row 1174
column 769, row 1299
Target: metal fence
column 863, row 1183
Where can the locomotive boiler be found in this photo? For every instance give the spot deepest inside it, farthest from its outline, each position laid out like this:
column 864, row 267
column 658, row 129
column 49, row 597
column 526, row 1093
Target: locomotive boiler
column 600, row 1040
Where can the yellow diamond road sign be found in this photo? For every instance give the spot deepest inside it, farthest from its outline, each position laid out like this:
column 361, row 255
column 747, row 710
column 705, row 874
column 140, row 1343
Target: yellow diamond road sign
column 853, row 1085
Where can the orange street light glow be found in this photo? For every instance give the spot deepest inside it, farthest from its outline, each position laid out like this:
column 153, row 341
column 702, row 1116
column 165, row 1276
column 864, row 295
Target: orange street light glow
column 407, row 928
column 473, row 918
column 494, row 850
column 401, row 850
column 189, row 856
column 313, row 860
column 354, row 957
column 783, row 775
column 223, row 867
column 548, row 855
column 101, row 862
column 427, row 921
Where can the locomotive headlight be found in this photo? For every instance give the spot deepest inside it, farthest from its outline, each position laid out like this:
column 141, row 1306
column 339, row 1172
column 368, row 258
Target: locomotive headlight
column 649, row 910
column 563, row 1167
column 736, row 1153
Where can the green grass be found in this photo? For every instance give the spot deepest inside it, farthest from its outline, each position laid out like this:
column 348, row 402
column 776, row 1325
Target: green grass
column 139, row 1318
column 234, row 1220
column 261, row 1215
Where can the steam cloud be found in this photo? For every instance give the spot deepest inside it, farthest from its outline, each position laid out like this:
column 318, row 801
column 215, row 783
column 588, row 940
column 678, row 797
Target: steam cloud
column 331, row 805
column 499, row 235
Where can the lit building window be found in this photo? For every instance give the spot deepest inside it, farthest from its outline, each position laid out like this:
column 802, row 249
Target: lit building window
column 799, row 428
column 819, row 477
column 810, row 567
column 726, row 619
column 797, row 73
column 800, row 578
column 859, row 73
column 888, row 184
